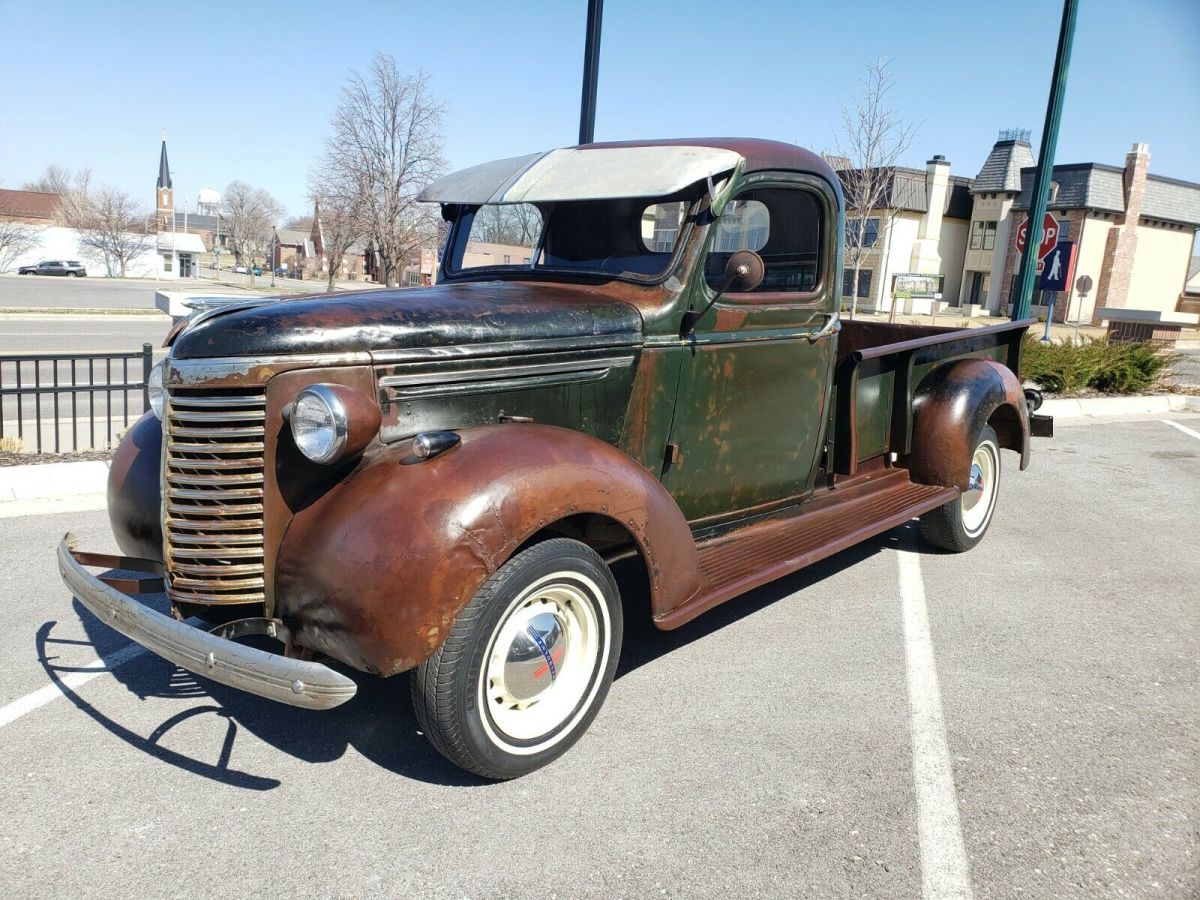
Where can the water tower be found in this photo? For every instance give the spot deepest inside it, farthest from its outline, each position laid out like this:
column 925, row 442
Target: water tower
column 208, row 202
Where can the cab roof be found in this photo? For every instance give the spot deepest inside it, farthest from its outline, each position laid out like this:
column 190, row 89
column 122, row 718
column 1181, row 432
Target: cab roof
column 620, row 169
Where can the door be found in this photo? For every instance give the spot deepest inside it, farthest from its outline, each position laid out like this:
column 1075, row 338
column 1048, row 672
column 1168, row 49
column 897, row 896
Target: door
column 185, row 265
column 754, row 386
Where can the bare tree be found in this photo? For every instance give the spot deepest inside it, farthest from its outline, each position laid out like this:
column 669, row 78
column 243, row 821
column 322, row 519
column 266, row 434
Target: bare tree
column 870, row 142
column 340, row 223
column 386, row 144
column 16, row 239
column 298, row 223
column 60, row 180
column 110, row 224
column 509, row 223
column 249, row 215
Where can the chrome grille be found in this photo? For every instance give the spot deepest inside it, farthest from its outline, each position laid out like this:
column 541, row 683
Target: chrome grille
column 213, row 508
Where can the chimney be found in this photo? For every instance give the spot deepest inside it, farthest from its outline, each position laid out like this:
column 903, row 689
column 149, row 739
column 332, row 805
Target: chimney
column 1117, row 268
column 937, row 183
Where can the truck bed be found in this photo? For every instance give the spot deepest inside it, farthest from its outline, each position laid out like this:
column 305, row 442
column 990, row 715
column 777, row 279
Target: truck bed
column 880, row 365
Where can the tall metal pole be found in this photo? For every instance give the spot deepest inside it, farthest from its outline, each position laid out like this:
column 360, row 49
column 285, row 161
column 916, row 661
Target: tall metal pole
column 1045, row 165
column 591, row 72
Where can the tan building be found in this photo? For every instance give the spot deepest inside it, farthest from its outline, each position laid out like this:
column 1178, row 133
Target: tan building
column 921, row 228
column 1134, row 233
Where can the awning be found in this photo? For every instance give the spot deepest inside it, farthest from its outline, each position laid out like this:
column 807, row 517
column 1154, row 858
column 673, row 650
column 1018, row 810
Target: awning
column 592, row 174
column 181, row 242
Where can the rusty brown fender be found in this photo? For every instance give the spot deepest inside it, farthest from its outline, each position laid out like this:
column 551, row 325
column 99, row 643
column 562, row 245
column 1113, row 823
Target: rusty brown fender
column 134, row 492
column 375, row 571
column 950, row 408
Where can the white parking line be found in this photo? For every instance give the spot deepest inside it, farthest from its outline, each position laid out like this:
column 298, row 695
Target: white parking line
column 1183, row 428
column 943, row 858
column 10, row 712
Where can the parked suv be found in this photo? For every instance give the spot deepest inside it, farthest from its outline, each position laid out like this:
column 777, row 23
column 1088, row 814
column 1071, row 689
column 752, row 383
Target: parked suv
column 72, row 268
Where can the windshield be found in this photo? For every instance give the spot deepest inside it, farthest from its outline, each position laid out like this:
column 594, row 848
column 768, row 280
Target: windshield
column 624, row 237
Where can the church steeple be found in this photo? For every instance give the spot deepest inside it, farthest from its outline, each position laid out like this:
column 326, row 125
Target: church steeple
column 164, row 170
column 164, row 195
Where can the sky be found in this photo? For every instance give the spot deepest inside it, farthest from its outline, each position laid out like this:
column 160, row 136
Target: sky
column 245, row 90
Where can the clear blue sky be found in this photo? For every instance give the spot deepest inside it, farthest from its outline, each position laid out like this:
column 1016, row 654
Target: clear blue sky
column 244, row 90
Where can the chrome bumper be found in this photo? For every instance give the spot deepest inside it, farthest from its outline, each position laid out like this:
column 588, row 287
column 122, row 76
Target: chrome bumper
column 292, row 681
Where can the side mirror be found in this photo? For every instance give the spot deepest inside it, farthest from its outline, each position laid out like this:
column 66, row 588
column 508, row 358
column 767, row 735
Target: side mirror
column 743, row 272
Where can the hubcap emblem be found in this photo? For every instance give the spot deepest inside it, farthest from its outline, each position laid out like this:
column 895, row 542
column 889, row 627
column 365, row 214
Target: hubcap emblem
column 536, row 652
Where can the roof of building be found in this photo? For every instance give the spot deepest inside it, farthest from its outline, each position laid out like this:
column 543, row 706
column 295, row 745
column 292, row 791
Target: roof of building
column 1101, row 187
column 292, row 236
column 164, row 170
column 195, row 221
column 907, row 192
column 181, row 242
column 29, row 204
column 1001, row 171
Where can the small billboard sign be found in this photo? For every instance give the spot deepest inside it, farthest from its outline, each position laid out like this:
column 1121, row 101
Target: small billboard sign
column 915, row 284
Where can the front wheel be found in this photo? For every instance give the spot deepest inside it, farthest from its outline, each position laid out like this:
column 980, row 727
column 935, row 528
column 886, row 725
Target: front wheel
column 527, row 664
column 960, row 524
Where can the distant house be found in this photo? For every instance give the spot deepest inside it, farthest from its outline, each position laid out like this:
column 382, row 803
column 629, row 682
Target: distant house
column 291, row 249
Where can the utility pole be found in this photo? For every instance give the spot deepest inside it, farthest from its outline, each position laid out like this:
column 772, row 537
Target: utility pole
column 591, row 72
column 1045, row 165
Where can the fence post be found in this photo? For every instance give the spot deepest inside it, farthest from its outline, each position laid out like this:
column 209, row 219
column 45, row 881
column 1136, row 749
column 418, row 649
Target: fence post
column 147, row 364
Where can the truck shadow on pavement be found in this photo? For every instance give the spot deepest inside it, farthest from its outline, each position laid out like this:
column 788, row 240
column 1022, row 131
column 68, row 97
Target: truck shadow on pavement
column 378, row 723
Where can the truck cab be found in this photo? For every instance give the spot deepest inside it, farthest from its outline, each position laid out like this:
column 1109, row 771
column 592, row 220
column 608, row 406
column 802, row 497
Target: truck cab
column 651, row 367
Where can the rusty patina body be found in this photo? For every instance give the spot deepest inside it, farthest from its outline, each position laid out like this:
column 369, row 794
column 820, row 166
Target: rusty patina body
column 720, row 458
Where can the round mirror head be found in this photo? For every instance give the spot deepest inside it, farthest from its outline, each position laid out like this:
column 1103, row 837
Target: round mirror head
column 743, row 272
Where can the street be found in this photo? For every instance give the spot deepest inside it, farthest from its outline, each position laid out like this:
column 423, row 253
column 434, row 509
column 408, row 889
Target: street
column 777, row 746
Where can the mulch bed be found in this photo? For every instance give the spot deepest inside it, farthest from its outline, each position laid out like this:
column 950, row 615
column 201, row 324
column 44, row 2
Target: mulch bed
column 26, row 459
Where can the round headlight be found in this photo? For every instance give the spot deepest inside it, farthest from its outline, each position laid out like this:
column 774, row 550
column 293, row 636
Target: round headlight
column 319, row 423
column 156, row 389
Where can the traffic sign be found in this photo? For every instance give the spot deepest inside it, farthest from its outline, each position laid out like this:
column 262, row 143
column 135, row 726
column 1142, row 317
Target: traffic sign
column 1083, row 284
column 1059, row 267
column 1049, row 235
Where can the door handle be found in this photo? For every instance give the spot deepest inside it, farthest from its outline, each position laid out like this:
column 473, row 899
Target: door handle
column 833, row 324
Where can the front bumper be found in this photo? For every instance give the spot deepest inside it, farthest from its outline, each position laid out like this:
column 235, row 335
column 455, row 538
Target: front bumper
column 295, row 682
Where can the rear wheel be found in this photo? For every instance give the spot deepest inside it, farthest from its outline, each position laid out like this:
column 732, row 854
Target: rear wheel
column 527, row 664
column 961, row 524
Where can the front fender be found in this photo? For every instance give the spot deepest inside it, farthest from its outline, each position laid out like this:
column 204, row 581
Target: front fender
column 950, row 408
column 134, row 492
column 376, row 570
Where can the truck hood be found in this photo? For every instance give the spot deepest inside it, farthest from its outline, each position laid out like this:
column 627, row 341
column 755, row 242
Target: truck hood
column 440, row 316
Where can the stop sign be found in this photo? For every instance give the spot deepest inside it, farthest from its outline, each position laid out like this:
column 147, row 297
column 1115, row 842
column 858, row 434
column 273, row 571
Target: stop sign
column 1049, row 235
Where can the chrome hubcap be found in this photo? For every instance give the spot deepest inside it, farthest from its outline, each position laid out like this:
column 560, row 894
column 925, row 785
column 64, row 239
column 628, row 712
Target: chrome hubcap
column 534, row 656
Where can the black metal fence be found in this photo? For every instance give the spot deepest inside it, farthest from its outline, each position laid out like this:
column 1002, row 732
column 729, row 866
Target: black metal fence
column 65, row 402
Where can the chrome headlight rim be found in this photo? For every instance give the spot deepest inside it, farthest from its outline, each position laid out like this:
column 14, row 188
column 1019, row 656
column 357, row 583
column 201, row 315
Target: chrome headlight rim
column 156, row 388
column 339, row 420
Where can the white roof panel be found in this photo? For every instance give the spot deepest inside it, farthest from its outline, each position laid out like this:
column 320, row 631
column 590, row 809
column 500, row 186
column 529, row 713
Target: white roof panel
column 583, row 174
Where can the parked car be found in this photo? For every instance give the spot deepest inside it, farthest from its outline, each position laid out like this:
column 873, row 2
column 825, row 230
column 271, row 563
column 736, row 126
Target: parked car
column 71, row 268
column 240, row 270
column 257, row 270
column 444, row 479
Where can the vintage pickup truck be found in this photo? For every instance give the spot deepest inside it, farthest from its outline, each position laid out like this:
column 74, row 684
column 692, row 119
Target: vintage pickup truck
column 441, row 479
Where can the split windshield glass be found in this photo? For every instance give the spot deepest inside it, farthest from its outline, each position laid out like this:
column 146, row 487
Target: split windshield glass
column 633, row 238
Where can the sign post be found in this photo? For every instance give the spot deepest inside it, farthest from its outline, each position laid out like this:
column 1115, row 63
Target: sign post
column 1083, row 284
column 1041, row 181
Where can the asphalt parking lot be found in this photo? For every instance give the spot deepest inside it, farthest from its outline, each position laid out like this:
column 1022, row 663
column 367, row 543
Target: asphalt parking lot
column 787, row 744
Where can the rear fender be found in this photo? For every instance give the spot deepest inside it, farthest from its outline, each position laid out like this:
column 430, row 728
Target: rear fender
column 375, row 571
column 951, row 407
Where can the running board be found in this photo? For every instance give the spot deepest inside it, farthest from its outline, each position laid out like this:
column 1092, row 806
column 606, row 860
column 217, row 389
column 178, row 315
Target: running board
column 756, row 554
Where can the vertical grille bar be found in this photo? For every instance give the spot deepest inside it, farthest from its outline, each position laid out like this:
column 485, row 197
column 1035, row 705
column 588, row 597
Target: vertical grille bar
column 213, row 503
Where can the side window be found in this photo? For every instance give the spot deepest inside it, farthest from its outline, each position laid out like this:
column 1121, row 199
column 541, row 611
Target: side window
column 784, row 226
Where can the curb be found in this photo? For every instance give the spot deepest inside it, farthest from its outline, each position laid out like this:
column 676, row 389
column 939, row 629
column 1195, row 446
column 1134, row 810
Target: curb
column 1099, row 407
column 52, row 481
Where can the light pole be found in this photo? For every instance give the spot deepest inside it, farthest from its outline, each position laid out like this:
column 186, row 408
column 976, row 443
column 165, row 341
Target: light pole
column 1041, row 180
column 591, row 72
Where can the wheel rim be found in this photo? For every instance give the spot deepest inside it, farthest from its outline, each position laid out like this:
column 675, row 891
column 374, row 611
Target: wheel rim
column 541, row 669
column 980, row 496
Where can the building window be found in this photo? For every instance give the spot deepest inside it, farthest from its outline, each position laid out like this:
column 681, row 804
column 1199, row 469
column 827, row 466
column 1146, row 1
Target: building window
column 864, row 282
column 166, row 262
column 983, row 235
column 869, row 230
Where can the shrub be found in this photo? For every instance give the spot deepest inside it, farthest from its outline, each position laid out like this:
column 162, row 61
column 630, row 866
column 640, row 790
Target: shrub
column 1124, row 368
